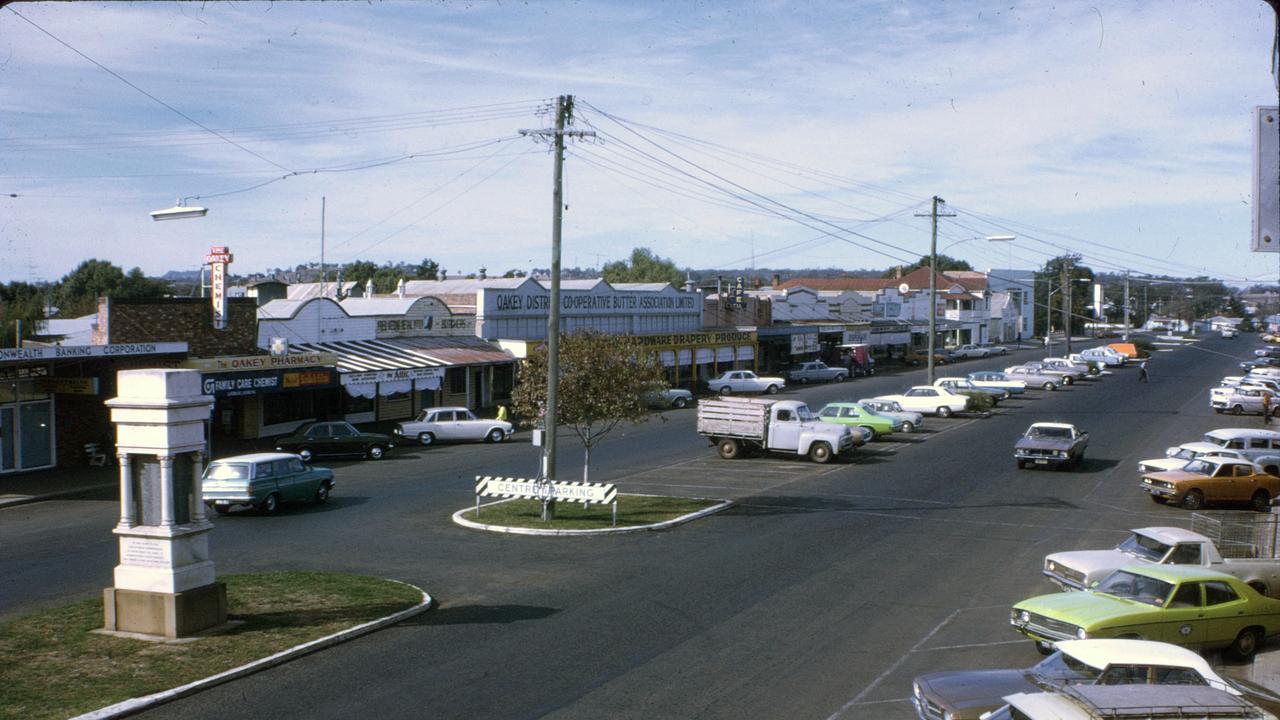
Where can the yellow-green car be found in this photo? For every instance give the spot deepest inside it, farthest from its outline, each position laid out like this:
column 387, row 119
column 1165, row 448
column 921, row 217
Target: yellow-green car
column 1184, row 605
column 858, row 415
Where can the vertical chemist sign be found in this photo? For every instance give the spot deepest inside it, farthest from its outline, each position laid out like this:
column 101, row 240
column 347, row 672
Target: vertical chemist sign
column 218, row 258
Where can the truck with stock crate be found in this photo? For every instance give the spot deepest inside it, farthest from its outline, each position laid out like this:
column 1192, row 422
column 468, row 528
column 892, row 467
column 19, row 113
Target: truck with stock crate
column 736, row 426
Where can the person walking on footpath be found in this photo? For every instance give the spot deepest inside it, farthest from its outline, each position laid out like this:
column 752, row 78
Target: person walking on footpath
column 1142, row 372
column 1266, row 408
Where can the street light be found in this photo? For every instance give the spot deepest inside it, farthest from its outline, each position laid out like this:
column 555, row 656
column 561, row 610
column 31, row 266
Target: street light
column 933, row 283
column 1048, row 310
column 179, row 211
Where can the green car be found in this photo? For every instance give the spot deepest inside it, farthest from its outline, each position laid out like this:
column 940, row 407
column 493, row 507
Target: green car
column 1177, row 604
column 852, row 413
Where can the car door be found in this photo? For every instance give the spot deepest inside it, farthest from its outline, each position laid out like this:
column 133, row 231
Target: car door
column 1226, row 613
column 320, row 438
column 1183, row 620
column 346, row 440
column 444, row 426
column 784, row 430
column 469, row 426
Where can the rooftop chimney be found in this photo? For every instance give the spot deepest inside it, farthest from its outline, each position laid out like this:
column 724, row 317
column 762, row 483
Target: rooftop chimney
column 777, row 280
column 897, row 273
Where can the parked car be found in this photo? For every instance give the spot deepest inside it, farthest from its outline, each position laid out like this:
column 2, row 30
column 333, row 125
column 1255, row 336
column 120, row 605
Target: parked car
column 963, row 386
column 1106, row 355
column 993, row 379
column 848, row 413
column 677, row 398
column 1080, row 569
column 911, row 421
column 976, row 351
column 1034, row 378
column 738, row 425
column 1260, row 363
column 1074, row 370
column 1058, row 445
column 744, row 381
column 1094, row 366
column 807, row 372
column 967, row 694
column 1213, row 480
column 453, row 424
column 1243, row 399
column 1189, row 606
column 930, row 400
column 1229, row 333
column 335, row 438
column 921, row 357
column 1129, row 697
column 263, row 481
column 1177, row 457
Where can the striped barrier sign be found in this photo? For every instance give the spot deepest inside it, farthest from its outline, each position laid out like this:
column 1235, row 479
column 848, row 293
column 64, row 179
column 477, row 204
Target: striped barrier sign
column 500, row 487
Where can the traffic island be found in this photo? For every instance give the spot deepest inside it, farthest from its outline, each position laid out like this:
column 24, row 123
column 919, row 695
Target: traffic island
column 57, row 666
column 635, row 513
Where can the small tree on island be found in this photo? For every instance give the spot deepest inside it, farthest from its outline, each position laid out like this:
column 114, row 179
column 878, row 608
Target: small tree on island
column 603, row 380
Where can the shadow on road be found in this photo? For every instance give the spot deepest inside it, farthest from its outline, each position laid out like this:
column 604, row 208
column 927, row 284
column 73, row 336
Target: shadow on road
column 335, row 502
column 765, row 505
column 481, row 615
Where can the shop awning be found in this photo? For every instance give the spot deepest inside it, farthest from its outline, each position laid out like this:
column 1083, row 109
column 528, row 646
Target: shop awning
column 373, row 355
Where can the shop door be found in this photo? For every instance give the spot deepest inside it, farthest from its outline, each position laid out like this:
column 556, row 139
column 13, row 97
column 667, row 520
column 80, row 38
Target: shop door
column 7, row 459
column 37, row 434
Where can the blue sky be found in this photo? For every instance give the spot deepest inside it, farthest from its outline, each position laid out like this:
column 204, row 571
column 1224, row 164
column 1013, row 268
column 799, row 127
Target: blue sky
column 797, row 134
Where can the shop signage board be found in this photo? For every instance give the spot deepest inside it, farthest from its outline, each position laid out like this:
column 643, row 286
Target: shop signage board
column 804, row 343
column 218, row 258
column 68, row 385
column 691, row 339
column 249, row 383
column 251, row 363
column 24, row 373
column 387, row 376
column 531, row 299
column 58, row 352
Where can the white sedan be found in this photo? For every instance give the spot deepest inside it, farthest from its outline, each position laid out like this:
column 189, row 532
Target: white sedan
column 451, row 424
column 998, row 380
column 738, row 381
column 930, row 400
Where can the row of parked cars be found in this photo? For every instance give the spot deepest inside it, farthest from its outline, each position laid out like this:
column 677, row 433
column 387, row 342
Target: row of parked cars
column 1121, row 635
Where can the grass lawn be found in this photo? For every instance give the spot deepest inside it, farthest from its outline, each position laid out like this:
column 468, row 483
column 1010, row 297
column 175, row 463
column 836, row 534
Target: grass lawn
column 633, row 510
column 51, row 666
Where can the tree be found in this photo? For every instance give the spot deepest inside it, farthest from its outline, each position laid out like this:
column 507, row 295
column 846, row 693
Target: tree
column 1049, row 302
column 603, row 379
column 643, row 266
column 945, row 263
column 78, row 291
column 19, row 302
column 428, row 269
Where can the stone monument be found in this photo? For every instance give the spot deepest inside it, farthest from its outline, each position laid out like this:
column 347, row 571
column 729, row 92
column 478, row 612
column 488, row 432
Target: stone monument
column 165, row 584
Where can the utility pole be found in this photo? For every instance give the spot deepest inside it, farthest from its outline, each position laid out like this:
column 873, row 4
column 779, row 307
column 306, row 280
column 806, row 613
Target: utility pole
column 1066, row 302
column 564, row 116
column 933, row 278
column 324, row 269
column 1126, row 306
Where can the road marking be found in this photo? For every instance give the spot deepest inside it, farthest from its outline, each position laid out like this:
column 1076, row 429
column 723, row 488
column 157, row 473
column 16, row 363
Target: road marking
column 974, row 645
column 896, row 664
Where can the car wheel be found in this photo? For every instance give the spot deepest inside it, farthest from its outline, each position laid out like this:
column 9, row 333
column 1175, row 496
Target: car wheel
column 804, row 381
column 839, row 378
column 944, row 411
column 1261, row 501
column 1044, row 648
column 871, row 430
column 495, row 436
column 269, row 505
column 322, row 493
column 426, row 438
column 1245, row 646
column 725, row 390
column 1259, row 586
column 1022, row 464
column 1067, row 380
column 376, row 452
column 1048, row 386
column 1158, row 499
column 772, row 389
column 1271, row 470
column 679, row 403
column 729, row 449
column 820, row 453
column 1236, row 410
column 222, row 509
column 1193, row 500
column 908, row 426
column 305, row 454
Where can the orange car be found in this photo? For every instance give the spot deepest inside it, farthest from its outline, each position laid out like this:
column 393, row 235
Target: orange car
column 1129, row 350
column 1213, row 479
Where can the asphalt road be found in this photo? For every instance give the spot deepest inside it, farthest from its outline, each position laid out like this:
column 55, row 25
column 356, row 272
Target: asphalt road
column 820, row 595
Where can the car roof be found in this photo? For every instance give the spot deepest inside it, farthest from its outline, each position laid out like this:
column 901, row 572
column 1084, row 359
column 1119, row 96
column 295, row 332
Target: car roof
column 1101, row 653
column 1169, row 535
column 1228, row 433
column 256, row 457
column 1176, row 573
column 1200, row 446
column 1046, row 706
column 444, row 407
column 1063, row 426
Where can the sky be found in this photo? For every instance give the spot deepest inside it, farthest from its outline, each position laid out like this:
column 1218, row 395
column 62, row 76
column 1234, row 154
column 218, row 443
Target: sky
column 731, row 134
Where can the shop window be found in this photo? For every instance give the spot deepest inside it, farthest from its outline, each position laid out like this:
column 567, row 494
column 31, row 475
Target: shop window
column 359, row 404
column 286, row 407
column 457, row 378
column 503, row 379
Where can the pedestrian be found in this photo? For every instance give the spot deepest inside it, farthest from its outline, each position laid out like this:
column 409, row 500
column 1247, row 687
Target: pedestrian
column 1142, row 372
column 502, row 413
column 1266, row 408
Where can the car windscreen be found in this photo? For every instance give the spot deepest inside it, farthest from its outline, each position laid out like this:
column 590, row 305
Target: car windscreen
column 1049, row 432
column 227, row 471
column 1060, row 669
column 1185, row 454
column 805, row 414
column 1143, row 547
column 1132, row 586
column 1201, row 467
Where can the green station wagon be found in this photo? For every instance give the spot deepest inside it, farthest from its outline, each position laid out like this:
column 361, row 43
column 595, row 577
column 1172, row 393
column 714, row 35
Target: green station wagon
column 1178, row 604
column 849, row 413
column 263, row 481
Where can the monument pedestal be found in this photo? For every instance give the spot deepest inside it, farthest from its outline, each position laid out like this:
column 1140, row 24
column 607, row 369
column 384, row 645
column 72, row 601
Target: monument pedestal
column 165, row 584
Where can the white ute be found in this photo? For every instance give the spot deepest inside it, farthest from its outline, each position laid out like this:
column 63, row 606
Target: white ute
column 736, row 425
